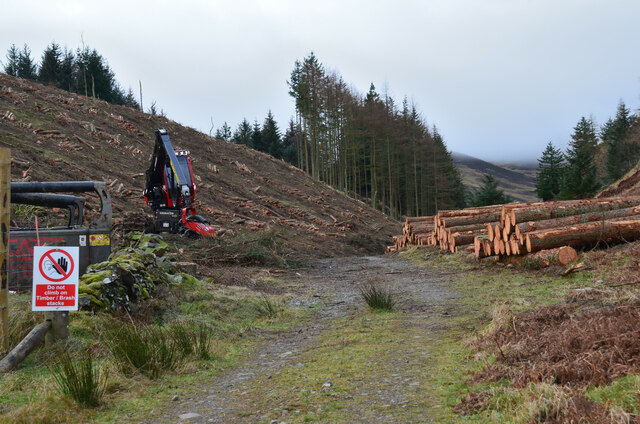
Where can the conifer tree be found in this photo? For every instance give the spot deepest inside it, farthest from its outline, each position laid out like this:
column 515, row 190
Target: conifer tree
column 362, row 144
column 256, row 137
column 271, row 141
column 96, row 77
column 580, row 180
column 551, row 167
column 26, row 68
column 619, row 157
column 50, row 71
column 68, row 72
column 130, row 100
column 290, row 142
column 11, row 67
column 488, row 193
column 243, row 133
column 224, row 132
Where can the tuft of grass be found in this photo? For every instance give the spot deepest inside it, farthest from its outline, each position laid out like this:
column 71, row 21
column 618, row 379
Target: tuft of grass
column 145, row 349
column 203, row 342
column 182, row 339
column 192, row 342
column 267, row 307
column 378, row 298
column 80, row 379
column 501, row 316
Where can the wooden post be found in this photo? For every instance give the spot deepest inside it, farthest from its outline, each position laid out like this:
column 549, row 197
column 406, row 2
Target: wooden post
column 5, row 214
column 59, row 330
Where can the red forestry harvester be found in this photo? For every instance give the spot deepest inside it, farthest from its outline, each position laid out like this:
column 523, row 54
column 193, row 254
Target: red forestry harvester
column 170, row 191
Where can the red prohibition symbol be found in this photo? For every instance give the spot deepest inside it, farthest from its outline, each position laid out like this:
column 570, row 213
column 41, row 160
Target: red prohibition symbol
column 56, row 270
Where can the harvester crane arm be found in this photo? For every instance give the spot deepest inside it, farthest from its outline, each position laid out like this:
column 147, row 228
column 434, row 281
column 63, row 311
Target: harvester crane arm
column 170, row 190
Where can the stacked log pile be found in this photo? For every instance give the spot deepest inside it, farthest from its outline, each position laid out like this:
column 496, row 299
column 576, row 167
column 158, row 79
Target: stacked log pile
column 416, row 231
column 547, row 229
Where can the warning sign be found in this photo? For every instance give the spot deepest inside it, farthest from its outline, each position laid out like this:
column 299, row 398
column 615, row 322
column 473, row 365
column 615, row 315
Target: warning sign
column 99, row 240
column 55, row 278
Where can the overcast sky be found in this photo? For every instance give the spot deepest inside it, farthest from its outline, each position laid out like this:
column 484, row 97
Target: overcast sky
column 500, row 78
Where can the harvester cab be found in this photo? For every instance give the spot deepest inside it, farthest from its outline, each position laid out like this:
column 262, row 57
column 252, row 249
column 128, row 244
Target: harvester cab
column 170, row 191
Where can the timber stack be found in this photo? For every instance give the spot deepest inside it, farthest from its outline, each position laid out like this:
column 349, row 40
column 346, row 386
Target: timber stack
column 416, row 231
column 545, row 229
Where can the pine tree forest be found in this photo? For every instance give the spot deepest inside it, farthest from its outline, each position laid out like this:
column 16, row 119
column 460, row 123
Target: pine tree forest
column 594, row 158
column 86, row 72
column 369, row 147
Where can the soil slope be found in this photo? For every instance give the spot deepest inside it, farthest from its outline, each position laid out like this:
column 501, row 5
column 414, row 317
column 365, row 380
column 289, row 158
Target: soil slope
column 628, row 185
column 55, row 135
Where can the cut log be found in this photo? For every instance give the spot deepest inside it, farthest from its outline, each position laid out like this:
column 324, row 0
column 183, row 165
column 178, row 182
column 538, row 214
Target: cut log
column 583, row 235
column 567, row 254
column 526, row 227
column 485, row 218
column 554, row 210
column 488, row 248
column 498, row 246
column 482, row 210
column 463, row 238
column 25, row 347
column 497, row 232
column 470, row 227
column 516, row 246
column 480, row 244
column 558, row 256
column 413, row 219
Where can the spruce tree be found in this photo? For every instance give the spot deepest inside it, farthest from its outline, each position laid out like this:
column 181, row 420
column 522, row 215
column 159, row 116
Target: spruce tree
column 290, row 142
column 224, row 132
column 580, row 180
column 68, row 71
column 130, row 100
column 50, row 65
column 96, row 77
column 271, row 141
column 243, row 133
column 551, row 167
column 11, row 67
column 619, row 158
column 256, row 137
column 26, row 68
column 488, row 193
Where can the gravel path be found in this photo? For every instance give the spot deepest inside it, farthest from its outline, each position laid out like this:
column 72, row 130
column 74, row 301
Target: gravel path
column 334, row 284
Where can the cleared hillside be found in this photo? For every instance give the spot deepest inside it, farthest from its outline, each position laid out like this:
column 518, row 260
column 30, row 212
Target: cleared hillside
column 517, row 182
column 628, row 185
column 57, row 135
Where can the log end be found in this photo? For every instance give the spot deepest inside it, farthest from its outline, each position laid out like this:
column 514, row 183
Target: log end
column 567, row 254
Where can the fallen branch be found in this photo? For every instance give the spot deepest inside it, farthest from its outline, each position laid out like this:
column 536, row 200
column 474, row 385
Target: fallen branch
column 84, row 142
column 573, row 268
column 25, row 347
column 626, row 284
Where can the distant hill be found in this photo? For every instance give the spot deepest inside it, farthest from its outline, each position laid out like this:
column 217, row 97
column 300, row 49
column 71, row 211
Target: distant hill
column 517, row 179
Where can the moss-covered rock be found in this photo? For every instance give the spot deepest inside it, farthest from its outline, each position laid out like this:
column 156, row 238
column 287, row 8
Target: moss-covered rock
column 130, row 275
column 150, row 243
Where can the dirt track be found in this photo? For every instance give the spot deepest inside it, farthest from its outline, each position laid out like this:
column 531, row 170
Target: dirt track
column 390, row 386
